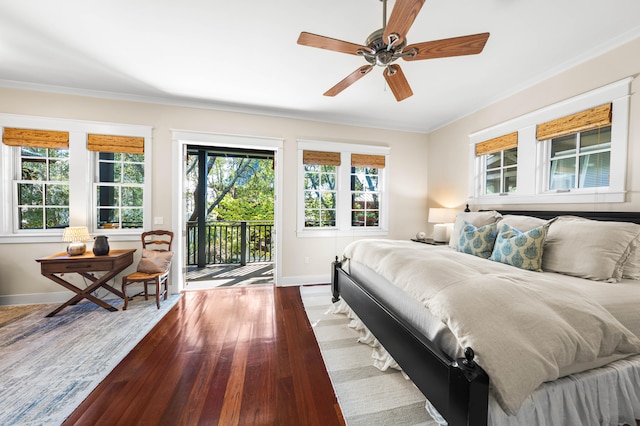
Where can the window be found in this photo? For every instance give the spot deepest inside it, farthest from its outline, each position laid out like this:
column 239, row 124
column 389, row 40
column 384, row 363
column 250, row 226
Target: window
column 326, row 206
column 119, row 186
column 58, row 173
column 320, row 196
column 581, row 160
column 498, row 164
column 119, row 190
column 571, row 152
column 501, row 171
column 365, row 189
column 42, row 188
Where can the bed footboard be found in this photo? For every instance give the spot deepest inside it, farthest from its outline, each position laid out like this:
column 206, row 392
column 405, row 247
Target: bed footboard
column 459, row 389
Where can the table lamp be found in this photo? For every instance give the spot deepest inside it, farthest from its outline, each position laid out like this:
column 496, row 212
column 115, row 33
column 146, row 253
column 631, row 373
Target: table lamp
column 76, row 236
column 442, row 219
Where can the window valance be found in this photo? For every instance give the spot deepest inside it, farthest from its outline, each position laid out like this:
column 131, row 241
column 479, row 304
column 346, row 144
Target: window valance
column 323, row 158
column 367, row 160
column 108, row 143
column 500, row 143
column 35, row 138
column 590, row 119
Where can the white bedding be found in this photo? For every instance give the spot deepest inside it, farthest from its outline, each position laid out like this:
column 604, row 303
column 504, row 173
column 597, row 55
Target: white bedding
column 463, row 276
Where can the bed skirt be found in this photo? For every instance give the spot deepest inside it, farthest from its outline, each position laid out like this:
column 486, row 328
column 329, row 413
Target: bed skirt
column 607, row 395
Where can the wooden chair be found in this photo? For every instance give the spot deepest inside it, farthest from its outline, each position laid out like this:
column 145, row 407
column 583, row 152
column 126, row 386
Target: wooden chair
column 154, row 265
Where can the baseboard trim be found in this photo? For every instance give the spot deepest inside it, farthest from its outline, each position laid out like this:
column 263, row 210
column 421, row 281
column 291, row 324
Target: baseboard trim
column 35, row 298
column 305, row 279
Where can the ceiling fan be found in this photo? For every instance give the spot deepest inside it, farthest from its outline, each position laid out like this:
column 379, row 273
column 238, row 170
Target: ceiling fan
column 388, row 44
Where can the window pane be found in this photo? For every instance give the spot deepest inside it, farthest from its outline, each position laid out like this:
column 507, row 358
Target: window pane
column 108, row 196
column 133, row 173
column 595, row 140
column 328, row 181
column 30, row 194
column 108, row 218
column 132, row 218
column 311, row 200
column 34, row 169
column 510, row 180
column 563, row 174
column 109, row 172
column 594, row 170
column 131, row 196
column 493, row 160
column 565, row 145
column 328, row 218
column 30, row 218
column 29, row 151
column 511, row 157
column 312, row 218
column 59, row 153
column 59, row 170
column 57, row 217
column 493, row 182
column 56, row 195
column 329, row 200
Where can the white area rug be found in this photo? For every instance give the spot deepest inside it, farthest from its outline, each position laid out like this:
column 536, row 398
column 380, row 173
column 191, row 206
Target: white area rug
column 50, row 365
column 367, row 396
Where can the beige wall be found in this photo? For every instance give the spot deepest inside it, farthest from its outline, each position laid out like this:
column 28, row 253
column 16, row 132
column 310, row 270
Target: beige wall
column 19, row 273
column 449, row 146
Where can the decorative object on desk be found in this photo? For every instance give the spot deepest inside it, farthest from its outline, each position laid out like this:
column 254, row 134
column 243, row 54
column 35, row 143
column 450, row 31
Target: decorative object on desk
column 76, row 236
column 101, row 245
column 443, row 222
column 421, row 236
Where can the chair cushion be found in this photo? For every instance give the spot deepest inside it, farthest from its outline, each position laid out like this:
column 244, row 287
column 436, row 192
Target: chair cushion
column 153, row 262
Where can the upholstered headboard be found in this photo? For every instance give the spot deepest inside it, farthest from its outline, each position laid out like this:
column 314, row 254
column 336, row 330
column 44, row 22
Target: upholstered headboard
column 633, row 217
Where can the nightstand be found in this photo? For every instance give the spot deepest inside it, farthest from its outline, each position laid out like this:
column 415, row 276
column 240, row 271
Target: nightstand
column 430, row 241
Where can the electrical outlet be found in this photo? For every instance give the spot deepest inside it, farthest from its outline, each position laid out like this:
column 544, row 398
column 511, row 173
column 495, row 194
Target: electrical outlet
column 158, row 220
column 306, row 259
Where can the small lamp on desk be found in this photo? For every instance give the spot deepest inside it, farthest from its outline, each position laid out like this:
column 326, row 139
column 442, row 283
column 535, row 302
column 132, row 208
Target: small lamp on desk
column 442, row 220
column 76, row 236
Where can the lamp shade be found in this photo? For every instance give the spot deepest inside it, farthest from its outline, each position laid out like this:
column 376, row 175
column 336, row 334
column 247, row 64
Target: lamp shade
column 76, row 234
column 441, row 215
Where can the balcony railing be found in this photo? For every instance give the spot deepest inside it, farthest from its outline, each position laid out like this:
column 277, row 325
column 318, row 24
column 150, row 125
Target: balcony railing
column 231, row 242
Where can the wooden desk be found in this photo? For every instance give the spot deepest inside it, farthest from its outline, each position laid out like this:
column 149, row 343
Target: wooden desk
column 85, row 264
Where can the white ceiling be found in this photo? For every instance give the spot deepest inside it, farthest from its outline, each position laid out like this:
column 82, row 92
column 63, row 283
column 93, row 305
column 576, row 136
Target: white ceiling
column 241, row 55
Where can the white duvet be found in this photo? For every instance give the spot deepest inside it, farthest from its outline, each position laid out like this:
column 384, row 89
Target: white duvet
column 523, row 329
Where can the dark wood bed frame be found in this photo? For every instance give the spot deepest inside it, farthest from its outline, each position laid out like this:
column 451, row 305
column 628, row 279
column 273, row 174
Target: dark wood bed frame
column 458, row 388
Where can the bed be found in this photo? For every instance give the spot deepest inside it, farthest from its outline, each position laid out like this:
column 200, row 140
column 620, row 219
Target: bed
column 431, row 348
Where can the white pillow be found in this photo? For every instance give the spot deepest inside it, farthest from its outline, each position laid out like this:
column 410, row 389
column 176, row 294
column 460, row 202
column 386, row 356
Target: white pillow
column 522, row 223
column 596, row 250
column 631, row 267
column 477, row 219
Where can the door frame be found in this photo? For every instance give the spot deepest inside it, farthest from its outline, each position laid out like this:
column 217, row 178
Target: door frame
column 180, row 139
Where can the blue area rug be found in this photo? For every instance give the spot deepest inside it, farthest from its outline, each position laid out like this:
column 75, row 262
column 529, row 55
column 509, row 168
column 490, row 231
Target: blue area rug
column 50, row 365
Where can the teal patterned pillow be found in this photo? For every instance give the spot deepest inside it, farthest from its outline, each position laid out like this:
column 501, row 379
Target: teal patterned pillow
column 520, row 249
column 477, row 241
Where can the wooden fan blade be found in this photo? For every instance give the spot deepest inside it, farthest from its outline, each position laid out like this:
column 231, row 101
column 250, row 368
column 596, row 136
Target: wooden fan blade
column 328, row 43
column 349, row 80
column 457, row 46
column 397, row 82
column 402, row 16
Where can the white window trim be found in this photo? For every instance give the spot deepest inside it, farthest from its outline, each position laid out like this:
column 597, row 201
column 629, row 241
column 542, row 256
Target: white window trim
column 81, row 174
column 343, row 217
column 532, row 174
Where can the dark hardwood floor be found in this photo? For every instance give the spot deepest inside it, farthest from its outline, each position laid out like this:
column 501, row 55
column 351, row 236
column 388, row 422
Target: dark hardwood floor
column 227, row 356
